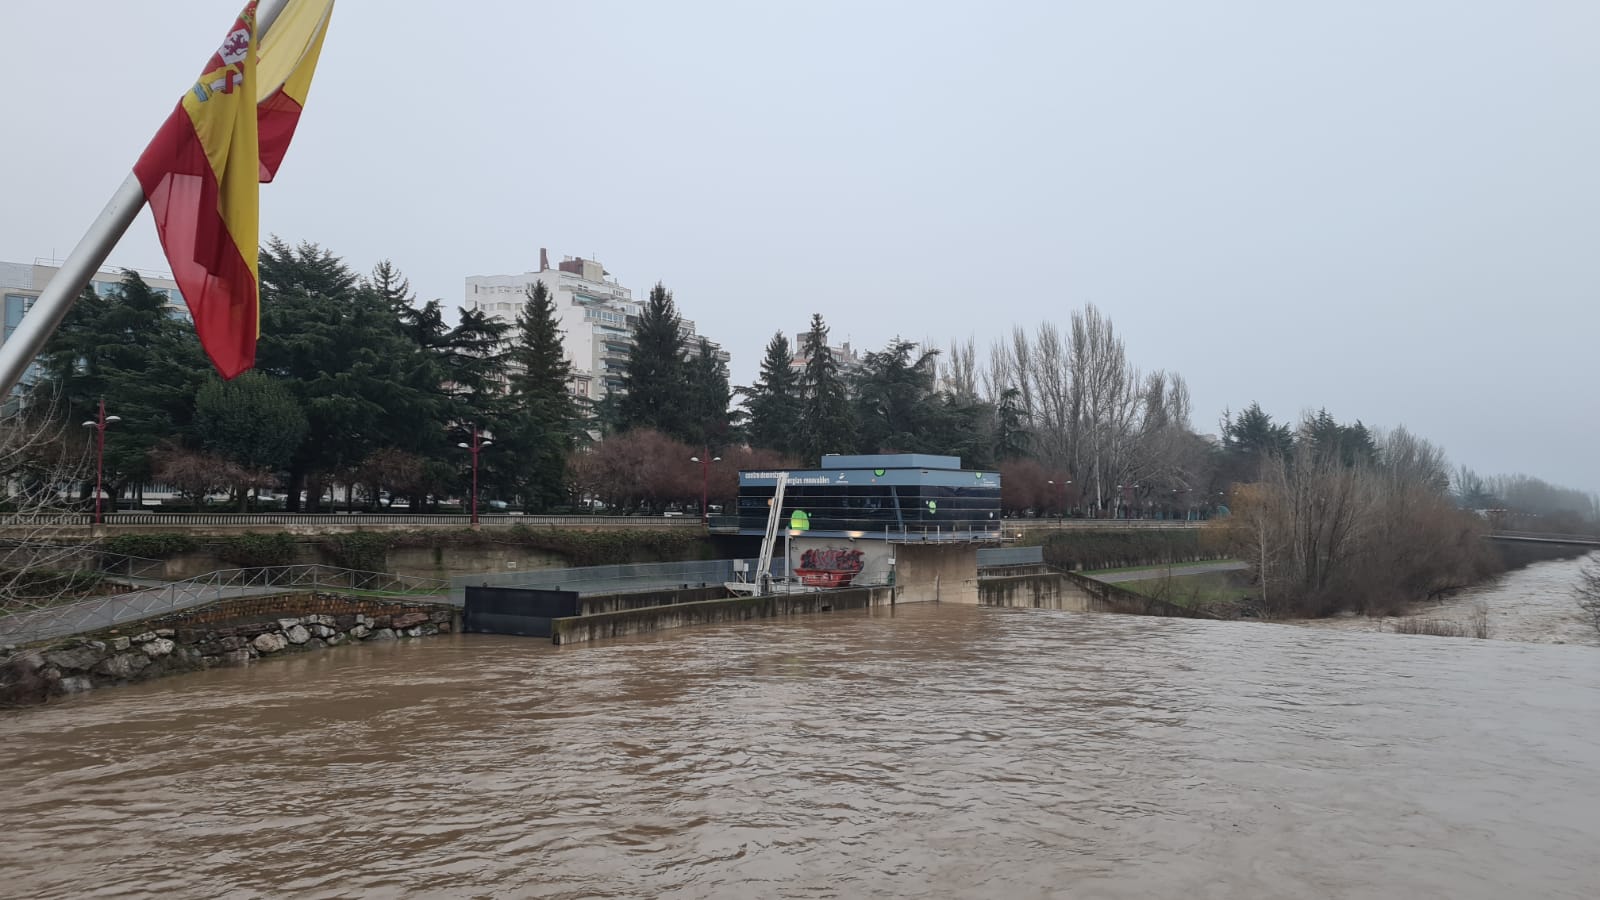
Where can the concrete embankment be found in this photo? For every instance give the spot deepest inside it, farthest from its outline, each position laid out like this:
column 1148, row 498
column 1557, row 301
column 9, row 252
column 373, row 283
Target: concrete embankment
column 1072, row 591
column 229, row 633
column 626, row 621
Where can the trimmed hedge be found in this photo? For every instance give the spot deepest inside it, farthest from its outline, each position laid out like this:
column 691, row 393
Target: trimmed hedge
column 160, row 545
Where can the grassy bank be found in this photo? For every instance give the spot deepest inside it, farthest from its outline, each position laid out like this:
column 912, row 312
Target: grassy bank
column 1220, row 592
column 1104, row 550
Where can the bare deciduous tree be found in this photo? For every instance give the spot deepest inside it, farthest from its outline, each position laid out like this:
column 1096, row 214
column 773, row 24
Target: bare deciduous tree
column 1588, row 591
column 43, row 462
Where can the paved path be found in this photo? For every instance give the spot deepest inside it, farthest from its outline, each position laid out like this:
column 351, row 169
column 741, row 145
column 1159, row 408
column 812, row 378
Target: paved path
column 1175, row 571
column 104, row 612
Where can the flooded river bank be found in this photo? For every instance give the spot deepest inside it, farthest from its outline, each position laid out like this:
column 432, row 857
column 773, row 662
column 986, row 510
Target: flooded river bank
column 1533, row 604
column 925, row 751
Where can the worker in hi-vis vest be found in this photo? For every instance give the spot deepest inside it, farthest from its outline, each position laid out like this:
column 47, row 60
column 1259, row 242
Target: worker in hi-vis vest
column 799, row 520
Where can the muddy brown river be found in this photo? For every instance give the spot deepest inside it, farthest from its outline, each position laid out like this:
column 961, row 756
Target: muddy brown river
column 932, row 751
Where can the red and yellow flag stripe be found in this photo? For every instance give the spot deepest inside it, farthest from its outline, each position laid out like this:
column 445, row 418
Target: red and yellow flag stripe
column 289, row 55
column 201, row 177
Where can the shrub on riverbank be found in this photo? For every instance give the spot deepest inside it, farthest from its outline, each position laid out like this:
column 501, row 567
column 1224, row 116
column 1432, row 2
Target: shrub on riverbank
column 1324, row 534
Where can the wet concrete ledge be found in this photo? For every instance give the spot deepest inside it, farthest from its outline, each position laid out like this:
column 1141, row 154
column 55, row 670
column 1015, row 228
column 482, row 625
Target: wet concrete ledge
column 625, row 622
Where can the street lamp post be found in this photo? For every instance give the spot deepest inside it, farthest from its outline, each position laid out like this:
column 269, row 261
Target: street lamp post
column 99, row 425
column 705, row 459
column 478, row 443
column 1064, row 492
column 1124, row 499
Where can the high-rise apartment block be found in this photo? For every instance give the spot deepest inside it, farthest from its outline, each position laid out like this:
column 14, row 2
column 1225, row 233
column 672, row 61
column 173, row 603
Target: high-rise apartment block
column 595, row 314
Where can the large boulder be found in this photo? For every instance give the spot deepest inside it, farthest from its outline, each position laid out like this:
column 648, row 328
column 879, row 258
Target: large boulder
column 286, row 624
column 321, row 631
column 120, row 644
column 297, row 634
column 157, row 647
column 123, row 665
column 384, row 634
column 360, row 632
column 75, row 659
column 144, row 638
column 269, row 642
column 76, row 684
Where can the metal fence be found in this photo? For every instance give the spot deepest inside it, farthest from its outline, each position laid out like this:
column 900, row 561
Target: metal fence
column 103, row 612
column 629, row 578
column 613, row 579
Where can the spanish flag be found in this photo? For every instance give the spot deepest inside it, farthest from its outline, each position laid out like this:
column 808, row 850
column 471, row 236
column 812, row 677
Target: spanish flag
column 201, row 173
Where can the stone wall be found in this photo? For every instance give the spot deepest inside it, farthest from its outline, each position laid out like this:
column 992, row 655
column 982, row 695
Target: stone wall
column 581, row 629
column 229, row 633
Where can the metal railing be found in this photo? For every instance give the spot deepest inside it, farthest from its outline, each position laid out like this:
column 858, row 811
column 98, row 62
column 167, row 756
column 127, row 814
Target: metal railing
column 351, row 518
column 161, row 599
column 1544, row 537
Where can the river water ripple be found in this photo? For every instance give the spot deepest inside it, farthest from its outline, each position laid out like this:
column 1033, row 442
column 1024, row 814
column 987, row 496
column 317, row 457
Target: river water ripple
column 925, row 751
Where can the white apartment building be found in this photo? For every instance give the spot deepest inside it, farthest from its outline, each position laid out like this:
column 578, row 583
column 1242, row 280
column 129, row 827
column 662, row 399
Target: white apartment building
column 594, row 312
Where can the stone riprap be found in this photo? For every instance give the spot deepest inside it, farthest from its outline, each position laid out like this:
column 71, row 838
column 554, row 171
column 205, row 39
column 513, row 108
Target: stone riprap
column 152, row 649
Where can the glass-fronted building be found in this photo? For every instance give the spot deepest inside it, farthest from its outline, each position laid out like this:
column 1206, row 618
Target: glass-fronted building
column 907, row 496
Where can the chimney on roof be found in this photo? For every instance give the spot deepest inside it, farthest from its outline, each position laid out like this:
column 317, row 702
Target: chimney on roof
column 544, row 259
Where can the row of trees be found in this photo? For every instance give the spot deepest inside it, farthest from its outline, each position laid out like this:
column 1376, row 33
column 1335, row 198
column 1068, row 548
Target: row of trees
column 1069, row 422
column 358, row 384
column 355, row 383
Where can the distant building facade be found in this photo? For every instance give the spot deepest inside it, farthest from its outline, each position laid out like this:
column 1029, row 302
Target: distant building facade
column 22, row 283
column 847, row 359
column 595, row 313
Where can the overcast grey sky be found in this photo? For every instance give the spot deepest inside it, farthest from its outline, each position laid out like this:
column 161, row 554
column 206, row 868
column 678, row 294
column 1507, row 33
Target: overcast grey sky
column 1391, row 209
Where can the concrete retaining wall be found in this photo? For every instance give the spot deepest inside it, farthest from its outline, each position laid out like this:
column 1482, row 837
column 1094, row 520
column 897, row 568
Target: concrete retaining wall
column 609, row 603
column 944, row 573
column 581, row 629
column 1033, row 591
column 1112, row 598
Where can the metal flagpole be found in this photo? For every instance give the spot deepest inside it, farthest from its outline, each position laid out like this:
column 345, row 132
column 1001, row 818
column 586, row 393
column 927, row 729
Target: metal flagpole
column 56, row 300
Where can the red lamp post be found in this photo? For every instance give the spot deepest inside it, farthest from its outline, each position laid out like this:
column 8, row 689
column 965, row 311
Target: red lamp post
column 478, row 443
column 705, row 460
column 99, row 425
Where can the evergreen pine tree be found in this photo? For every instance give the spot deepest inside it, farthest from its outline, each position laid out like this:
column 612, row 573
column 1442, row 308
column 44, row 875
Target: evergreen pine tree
column 773, row 403
column 825, row 420
column 656, row 389
column 539, row 423
column 129, row 349
column 710, row 398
